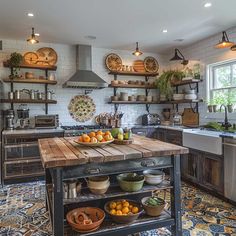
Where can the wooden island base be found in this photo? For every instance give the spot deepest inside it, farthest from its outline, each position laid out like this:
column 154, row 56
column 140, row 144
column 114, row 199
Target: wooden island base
column 63, row 159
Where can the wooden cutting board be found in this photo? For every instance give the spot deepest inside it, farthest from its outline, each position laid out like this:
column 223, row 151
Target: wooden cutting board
column 138, row 66
column 190, row 118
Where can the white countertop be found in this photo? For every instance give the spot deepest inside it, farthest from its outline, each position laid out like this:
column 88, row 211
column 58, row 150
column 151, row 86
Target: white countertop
column 171, row 127
column 31, row 131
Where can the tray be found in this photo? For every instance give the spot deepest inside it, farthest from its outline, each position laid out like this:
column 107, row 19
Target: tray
column 102, row 144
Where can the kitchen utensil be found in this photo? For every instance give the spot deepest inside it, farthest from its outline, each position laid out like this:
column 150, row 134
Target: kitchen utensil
column 114, row 98
column 177, row 119
column 138, row 66
column 166, row 114
column 9, row 119
column 153, row 210
column 124, row 219
column 46, row 121
column 130, row 182
column 151, row 119
column 190, row 118
column 132, row 98
column 74, row 188
column 29, row 75
column 98, row 181
column 11, row 95
column 151, row 65
column 123, row 96
column 149, row 98
column 141, row 98
column 17, row 94
column 40, row 95
column 30, row 58
column 96, row 215
column 52, row 76
column 153, row 177
column 46, row 56
column 113, row 62
column 99, row 190
column 82, row 108
column 65, row 190
column 49, row 94
column 32, row 93
column 23, row 113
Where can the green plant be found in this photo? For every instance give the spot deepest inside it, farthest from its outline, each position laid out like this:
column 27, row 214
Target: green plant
column 14, row 62
column 218, row 99
column 165, row 81
column 230, row 99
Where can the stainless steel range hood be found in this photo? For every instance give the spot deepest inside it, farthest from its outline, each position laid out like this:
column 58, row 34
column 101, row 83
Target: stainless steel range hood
column 84, row 77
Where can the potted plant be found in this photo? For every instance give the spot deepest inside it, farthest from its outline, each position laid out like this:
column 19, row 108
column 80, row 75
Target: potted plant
column 218, row 100
column 210, row 105
column 14, row 62
column 165, row 81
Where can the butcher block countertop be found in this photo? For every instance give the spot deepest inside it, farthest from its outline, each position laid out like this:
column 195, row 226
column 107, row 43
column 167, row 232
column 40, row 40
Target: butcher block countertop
column 60, row 152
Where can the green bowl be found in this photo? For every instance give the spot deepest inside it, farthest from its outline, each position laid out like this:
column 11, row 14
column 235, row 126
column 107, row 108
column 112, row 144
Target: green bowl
column 130, row 182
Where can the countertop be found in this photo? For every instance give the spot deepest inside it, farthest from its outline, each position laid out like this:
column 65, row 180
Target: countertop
column 31, row 131
column 171, row 127
column 61, row 152
column 228, row 135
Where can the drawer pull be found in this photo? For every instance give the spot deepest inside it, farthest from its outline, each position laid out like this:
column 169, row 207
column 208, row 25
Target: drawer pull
column 93, row 171
column 148, row 163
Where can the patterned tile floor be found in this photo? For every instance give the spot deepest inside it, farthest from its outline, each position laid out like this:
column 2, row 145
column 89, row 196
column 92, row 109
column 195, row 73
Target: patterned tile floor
column 22, row 211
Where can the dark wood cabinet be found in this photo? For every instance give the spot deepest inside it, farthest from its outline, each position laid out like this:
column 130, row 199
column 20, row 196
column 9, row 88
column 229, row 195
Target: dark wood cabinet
column 169, row 136
column 147, row 132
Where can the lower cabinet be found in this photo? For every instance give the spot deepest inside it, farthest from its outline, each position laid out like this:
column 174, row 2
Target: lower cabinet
column 204, row 169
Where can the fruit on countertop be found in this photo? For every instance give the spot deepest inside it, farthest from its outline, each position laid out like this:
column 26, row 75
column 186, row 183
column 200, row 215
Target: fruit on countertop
column 116, row 131
column 120, row 136
column 95, row 137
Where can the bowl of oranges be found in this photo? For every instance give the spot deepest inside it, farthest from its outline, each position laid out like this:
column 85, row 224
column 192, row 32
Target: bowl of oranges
column 95, row 138
column 123, row 210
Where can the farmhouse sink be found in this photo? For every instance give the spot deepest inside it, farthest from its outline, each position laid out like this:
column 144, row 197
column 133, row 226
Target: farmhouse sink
column 203, row 140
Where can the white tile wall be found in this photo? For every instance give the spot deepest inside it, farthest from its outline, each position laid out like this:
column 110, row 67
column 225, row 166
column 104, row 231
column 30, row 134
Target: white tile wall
column 66, row 68
column 205, row 52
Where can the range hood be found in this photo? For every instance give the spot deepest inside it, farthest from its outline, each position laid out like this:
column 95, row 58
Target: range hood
column 84, row 77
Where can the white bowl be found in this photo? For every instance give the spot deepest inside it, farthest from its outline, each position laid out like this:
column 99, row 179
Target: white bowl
column 153, row 177
column 190, row 96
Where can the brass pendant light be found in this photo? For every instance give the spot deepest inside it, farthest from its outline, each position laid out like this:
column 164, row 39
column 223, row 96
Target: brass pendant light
column 32, row 39
column 179, row 57
column 224, row 42
column 137, row 52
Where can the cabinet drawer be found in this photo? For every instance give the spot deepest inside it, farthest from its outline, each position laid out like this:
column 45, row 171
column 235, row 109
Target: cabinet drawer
column 14, row 169
column 21, row 151
column 174, row 137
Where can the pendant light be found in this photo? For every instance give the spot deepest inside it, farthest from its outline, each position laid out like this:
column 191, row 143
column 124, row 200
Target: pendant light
column 137, row 52
column 179, row 57
column 224, row 42
column 32, row 39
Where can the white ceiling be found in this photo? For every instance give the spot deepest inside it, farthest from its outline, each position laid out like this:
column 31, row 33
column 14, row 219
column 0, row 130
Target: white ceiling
column 117, row 24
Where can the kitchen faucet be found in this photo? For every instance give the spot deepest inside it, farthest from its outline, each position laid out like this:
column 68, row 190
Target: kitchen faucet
column 226, row 123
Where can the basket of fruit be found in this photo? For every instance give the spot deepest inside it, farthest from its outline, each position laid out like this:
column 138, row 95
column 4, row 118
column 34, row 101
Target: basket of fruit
column 153, row 206
column 95, row 139
column 123, row 211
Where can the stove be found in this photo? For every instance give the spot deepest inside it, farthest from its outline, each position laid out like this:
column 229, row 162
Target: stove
column 76, row 130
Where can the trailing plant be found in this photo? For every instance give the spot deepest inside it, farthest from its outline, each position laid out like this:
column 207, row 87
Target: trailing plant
column 165, row 81
column 14, row 62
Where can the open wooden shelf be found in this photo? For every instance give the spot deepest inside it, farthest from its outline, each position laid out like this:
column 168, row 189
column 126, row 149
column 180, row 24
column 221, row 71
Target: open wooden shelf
column 132, row 73
column 164, row 102
column 186, row 82
column 28, row 101
column 39, row 67
column 30, row 81
column 132, row 86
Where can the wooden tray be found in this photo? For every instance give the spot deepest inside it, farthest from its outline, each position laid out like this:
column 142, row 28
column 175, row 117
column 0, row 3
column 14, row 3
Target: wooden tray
column 123, row 142
column 101, row 144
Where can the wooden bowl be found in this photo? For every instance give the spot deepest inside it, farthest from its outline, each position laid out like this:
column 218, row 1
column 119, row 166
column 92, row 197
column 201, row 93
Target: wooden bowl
column 97, row 216
column 124, row 219
column 101, row 144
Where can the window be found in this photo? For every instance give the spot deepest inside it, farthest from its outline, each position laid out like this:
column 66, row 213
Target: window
column 222, row 83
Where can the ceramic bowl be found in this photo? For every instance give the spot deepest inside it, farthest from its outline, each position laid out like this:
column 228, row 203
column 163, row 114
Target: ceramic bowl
column 98, row 181
column 153, row 177
column 99, row 190
column 190, row 96
column 130, row 182
column 152, row 210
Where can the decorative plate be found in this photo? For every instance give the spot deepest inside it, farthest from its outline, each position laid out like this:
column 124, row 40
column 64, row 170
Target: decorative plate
column 113, row 62
column 30, row 58
column 82, row 108
column 47, row 56
column 100, row 144
column 151, row 65
column 138, row 66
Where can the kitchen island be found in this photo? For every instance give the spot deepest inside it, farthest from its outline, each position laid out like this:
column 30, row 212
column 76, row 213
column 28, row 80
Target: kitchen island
column 63, row 159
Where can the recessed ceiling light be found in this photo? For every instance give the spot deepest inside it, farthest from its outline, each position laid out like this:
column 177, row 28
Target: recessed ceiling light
column 207, row 4
column 164, row 31
column 37, row 34
column 30, row 14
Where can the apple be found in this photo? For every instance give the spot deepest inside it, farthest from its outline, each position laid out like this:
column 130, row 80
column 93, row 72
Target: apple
column 99, row 137
column 116, row 131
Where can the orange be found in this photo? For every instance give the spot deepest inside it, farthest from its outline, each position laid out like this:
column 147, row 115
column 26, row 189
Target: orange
column 99, row 132
column 107, row 133
column 80, row 139
column 113, row 211
column 118, row 207
column 135, row 210
column 104, row 140
column 119, row 213
column 99, row 137
column 93, row 140
column 125, row 210
column 130, row 207
column 86, row 139
column 112, row 205
column 125, row 204
column 92, row 134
